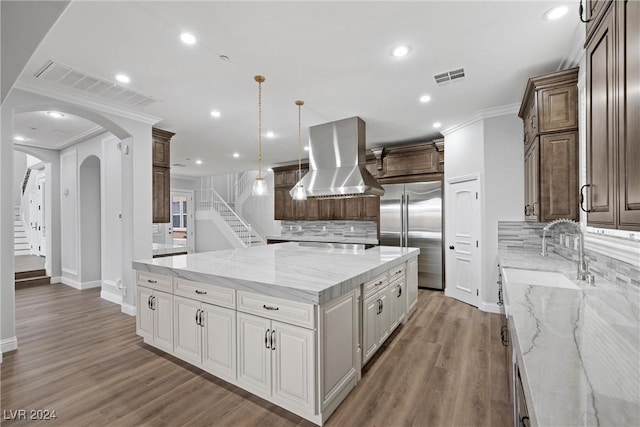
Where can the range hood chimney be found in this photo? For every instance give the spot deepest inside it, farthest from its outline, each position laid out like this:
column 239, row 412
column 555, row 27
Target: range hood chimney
column 337, row 161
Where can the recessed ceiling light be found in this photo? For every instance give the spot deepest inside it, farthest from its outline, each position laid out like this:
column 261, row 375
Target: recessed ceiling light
column 198, row 162
column 19, row 138
column 215, row 113
column 306, row 148
column 556, row 13
column 55, row 114
column 400, row 51
column 123, row 78
column 236, row 155
column 437, row 125
column 270, row 134
column 187, row 38
column 425, row 98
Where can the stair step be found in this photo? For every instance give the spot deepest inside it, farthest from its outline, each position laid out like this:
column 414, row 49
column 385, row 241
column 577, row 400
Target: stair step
column 30, row 274
column 17, row 252
column 32, row 281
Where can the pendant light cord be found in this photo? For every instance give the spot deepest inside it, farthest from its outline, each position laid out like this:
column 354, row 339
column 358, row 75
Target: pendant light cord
column 259, row 79
column 299, row 103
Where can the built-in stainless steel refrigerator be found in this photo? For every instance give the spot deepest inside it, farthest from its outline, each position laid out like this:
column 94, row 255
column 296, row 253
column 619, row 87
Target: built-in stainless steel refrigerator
column 411, row 216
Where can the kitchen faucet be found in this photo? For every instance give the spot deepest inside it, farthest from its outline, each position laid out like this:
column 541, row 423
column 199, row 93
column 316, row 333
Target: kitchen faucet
column 583, row 271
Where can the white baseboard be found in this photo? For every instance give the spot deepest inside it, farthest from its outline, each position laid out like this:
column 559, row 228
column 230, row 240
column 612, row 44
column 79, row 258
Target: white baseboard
column 490, row 307
column 56, row 279
column 128, row 309
column 111, row 297
column 80, row 285
column 9, row 344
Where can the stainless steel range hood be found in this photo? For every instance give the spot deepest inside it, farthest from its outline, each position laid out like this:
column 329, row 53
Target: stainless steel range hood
column 337, row 161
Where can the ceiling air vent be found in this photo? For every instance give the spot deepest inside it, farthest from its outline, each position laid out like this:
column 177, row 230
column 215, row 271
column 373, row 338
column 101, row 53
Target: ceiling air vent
column 449, row 76
column 179, row 165
column 80, row 81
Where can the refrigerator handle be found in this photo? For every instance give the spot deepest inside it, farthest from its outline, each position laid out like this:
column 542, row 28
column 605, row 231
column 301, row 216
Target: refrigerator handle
column 406, row 221
column 402, row 207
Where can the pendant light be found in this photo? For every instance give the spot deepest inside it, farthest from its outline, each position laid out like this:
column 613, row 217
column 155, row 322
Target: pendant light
column 260, row 185
column 299, row 192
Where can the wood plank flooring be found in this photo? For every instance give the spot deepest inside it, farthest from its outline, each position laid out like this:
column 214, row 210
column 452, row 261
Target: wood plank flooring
column 78, row 355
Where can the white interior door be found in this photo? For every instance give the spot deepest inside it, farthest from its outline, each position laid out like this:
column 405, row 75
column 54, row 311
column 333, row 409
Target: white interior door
column 462, row 241
column 42, row 230
column 34, row 235
column 182, row 219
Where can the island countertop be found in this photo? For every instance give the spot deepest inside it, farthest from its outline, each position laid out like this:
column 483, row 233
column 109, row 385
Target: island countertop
column 578, row 349
column 285, row 270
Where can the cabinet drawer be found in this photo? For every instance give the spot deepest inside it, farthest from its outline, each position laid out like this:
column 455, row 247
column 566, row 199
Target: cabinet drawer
column 375, row 284
column 296, row 313
column 212, row 294
column 396, row 272
column 154, row 281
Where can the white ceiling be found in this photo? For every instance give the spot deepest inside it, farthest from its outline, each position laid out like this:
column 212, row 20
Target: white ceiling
column 43, row 131
column 333, row 55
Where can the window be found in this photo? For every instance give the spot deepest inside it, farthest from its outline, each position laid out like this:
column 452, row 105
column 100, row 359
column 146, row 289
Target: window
column 179, row 213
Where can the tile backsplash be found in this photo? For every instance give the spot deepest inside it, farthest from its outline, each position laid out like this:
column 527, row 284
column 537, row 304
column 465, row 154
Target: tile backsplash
column 362, row 229
column 561, row 240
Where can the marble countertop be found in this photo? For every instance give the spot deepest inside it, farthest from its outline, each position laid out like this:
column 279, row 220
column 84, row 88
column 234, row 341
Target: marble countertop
column 285, row 270
column 578, row 349
column 331, row 238
column 164, row 248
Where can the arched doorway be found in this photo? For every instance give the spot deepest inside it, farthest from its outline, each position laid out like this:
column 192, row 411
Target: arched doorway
column 90, row 220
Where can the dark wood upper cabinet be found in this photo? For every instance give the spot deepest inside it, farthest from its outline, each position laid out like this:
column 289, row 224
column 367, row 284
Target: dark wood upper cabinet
column 628, row 17
column 161, row 179
column 594, row 12
column 549, row 111
column 613, row 112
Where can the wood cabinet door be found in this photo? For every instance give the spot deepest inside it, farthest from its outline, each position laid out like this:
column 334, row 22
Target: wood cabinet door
column 593, row 12
column 601, row 153
column 293, row 366
column 531, row 120
column 144, row 314
column 354, row 208
column 163, row 321
column 629, row 114
column 161, row 195
column 371, row 208
column 161, row 152
column 254, row 353
column 369, row 329
column 558, row 108
column 312, row 209
column 285, row 178
column 559, row 176
column 219, row 341
column 188, row 334
column 283, row 204
column 531, row 181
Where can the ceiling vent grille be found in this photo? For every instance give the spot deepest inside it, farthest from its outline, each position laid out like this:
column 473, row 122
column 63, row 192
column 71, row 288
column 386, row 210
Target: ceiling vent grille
column 449, row 76
column 79, row 80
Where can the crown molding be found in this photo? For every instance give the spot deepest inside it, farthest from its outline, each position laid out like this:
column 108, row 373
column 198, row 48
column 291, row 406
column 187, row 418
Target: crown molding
column 89, row 133
column 487, row 113
column 40, row 87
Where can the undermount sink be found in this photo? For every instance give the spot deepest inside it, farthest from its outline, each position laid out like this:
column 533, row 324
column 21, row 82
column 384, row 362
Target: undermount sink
column 539, row 278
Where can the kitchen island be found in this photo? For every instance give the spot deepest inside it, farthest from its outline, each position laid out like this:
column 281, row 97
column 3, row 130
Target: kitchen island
column 576, row 351
column 289, row 323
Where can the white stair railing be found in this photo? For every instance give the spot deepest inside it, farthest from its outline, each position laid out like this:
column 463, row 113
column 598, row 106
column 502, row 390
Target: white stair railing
column 209, row 199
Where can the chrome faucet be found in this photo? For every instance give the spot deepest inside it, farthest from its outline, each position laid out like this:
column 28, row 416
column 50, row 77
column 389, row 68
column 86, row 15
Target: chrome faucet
column 583, row 271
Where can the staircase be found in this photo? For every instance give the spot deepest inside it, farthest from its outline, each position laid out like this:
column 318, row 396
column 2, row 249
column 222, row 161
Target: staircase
column 26, row 279
column 210, row 200
column 20, row 240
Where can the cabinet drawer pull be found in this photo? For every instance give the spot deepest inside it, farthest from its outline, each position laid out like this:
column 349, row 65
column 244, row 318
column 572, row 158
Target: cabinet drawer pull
column 268, row 307
column 201, row 292
column 266, row 338
column 378, row 283
column 152, row 281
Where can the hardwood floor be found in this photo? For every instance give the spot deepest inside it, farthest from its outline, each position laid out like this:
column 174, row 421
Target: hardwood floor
column 78, row 355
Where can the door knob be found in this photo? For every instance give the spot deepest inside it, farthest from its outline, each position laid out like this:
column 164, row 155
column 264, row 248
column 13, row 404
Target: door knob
column 452, row 247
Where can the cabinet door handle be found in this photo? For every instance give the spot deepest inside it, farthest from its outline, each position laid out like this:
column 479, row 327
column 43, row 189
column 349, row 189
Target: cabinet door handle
column 268, row 307
column 525, row 421
column 153, row 303
column 452, row 247
column 505, row 335
column 582, row 198
column 527, row 210
column 201, row 292
column 273, row 339
column 202, row 318
column 198, row 317
column 534, row 211
column 152, row 281
column 399, row 291
column 266, row 338
column 149, row 302
column 381, row 306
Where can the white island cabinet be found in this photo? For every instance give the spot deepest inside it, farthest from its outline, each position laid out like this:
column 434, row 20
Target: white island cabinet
column 274, row 320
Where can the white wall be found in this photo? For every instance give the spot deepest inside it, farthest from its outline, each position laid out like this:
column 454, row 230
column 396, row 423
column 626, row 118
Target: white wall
column 209, row 237
column 111, row 188
column 491, row 148
column 90, row 226
column 259, row 211
column 181, row 183
column 19, row 168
